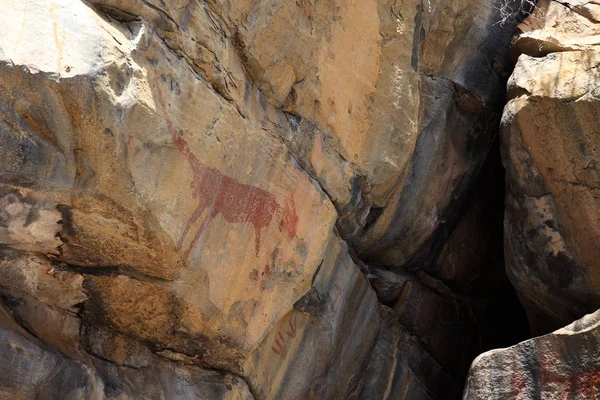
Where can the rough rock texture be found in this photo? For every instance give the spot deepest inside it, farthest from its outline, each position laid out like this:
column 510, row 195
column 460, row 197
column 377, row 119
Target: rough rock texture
column 550, row 149
column 551, row 145
column 30, row 371
column 400, row 369
column 245, row 199
column 564, row 364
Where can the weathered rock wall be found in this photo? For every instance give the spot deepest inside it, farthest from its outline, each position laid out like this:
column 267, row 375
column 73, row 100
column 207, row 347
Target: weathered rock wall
column 245, row 199
column 550, row 149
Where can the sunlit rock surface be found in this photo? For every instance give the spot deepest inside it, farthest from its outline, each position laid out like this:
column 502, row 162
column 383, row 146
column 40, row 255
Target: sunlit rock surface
column 244, row 199
column 551, row 145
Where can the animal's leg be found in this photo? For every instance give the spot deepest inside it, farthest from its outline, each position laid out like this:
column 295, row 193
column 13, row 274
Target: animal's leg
column 197, row 213
column 209, row 218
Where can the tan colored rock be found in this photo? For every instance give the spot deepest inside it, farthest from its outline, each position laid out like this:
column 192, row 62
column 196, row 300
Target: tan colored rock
column 311, row 71
column 46, row 300
column 459, row 50
column 178, row 179
column 142, row 216
column 453, row 124
column 376, row 134
column 539, row 34
column 550, row 147
column 310, row 353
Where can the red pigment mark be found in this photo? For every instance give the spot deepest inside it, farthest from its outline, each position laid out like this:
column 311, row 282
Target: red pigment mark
column 336, row 295
column 221, row 194
column 291, row 332
column 289, row 219
column 517, row 381
column 547, row 377
column 587, row 382
column 41, row 129
column 279, row 347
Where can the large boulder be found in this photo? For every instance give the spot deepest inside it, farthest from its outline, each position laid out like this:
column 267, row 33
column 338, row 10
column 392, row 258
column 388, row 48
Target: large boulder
column 460, row 54
column 550, row 149
column 564, row 364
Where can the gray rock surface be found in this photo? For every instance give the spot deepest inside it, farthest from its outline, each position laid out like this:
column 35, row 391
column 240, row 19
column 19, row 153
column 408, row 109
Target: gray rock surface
column 561, row 365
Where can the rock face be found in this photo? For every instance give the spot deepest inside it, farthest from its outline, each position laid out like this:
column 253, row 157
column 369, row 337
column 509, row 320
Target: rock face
column 550, row 149
column 251, row 199
column 560, row 365
column 30, row 371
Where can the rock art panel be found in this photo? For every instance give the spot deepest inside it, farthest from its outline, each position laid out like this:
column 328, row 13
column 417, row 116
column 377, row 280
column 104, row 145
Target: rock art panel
column 559, row 365
column 309, row 354
column 125, row 128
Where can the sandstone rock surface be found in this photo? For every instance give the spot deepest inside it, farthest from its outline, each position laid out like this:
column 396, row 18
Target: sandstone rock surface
column 550, row 144
column 244, row 199
column 550, row 151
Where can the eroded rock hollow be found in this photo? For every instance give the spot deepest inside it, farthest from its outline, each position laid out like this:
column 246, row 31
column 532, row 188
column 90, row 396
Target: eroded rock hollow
column 244, row 199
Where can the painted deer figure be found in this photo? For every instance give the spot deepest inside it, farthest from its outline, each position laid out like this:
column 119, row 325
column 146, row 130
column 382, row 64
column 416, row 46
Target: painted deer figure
column 221, row 194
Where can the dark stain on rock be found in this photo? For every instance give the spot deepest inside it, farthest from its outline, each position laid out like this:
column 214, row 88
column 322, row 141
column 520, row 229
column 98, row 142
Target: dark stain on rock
column 295, row 121
column 254, row 275
column 33, row 215
column 312, row 303
column 372, row 217
column 550, row 223
column 112, row 388
column 561, row 267
column 66, row 221
column 418, row 33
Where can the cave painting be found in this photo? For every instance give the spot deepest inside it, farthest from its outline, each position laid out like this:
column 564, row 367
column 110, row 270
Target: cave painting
column 279, row 345
column 221, row 194
column 586, row 383
column 518, row 383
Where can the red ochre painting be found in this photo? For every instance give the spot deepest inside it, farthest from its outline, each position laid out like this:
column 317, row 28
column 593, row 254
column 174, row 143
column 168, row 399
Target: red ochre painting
column 220, row 194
